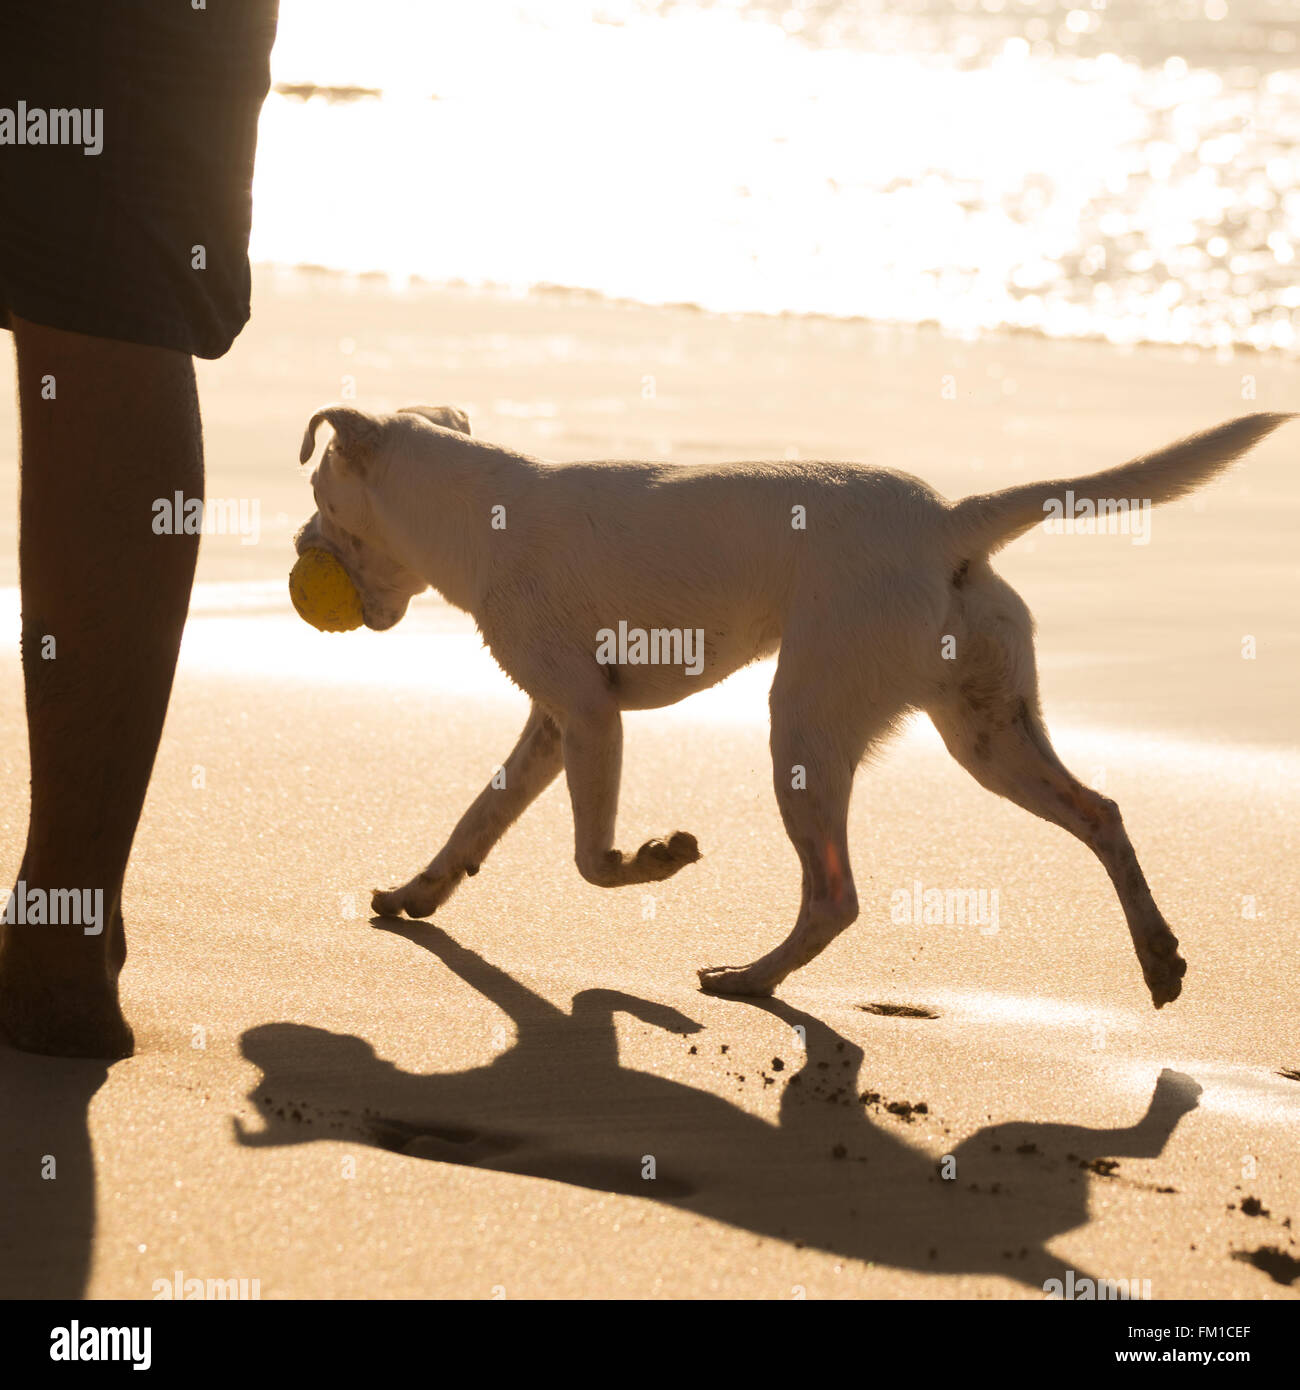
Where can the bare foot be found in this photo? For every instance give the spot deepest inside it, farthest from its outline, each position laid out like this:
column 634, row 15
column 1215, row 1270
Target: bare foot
column 55, row 1024
column 58, row 995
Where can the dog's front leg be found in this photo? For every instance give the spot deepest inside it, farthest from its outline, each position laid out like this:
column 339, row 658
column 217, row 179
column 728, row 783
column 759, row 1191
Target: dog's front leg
column 532, row 766
column 593, row 760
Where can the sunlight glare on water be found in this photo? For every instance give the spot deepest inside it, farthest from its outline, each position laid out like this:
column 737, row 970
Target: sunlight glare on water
column 745, row 158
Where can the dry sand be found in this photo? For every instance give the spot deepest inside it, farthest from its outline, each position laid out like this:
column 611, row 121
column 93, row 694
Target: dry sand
column 469, row 1109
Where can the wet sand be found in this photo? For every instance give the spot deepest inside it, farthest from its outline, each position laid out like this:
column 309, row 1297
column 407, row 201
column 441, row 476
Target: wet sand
column 473, row 1108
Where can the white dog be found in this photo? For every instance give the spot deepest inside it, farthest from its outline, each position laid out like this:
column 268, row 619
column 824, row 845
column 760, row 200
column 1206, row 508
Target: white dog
column 601, row 587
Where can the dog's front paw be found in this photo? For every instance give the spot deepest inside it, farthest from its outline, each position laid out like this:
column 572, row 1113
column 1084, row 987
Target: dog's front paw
column 1162, row 968
column 740, row 980
column 421, row 897
column 660, row 859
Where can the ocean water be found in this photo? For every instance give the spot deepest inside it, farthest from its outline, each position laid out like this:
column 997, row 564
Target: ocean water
column 1119, row 169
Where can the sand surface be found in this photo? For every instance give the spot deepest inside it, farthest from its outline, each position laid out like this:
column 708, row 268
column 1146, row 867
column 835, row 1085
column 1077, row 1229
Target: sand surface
column 471, row 1109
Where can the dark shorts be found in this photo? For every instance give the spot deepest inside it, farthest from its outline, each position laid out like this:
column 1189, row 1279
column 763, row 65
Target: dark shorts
column 147, row 240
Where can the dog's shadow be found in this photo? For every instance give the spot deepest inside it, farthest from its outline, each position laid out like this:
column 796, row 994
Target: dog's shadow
column 558, row 1105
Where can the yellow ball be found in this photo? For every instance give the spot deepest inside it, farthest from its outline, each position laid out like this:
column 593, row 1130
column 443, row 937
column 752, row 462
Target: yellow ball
column 323, row 593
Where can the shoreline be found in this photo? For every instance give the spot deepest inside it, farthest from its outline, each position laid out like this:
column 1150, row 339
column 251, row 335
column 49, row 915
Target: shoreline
column 400, row 284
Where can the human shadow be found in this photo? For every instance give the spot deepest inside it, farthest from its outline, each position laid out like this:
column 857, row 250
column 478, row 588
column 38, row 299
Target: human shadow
column 558, row 1105
column 47, row 1174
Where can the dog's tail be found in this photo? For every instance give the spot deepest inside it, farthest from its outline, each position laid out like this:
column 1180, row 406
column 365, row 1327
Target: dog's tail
column 988, row 521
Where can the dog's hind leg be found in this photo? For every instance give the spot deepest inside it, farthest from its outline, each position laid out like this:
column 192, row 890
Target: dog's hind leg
column 533, row 764
column 819, row 736
column 989, row 719
column 593, row 761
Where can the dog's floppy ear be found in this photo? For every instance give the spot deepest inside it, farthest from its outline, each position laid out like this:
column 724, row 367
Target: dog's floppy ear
column 446, row 415
column 356, row 434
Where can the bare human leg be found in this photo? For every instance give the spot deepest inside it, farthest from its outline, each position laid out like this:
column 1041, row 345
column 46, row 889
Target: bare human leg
column 107, row 428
